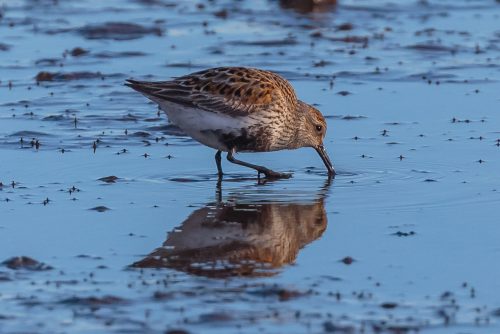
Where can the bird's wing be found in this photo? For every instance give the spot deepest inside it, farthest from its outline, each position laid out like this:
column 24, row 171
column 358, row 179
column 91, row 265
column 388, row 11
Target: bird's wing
column 227, row 90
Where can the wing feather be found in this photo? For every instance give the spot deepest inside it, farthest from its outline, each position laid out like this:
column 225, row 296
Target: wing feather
column 227, row 90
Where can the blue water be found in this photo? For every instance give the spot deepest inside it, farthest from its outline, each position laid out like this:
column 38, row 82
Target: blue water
column 415, row 206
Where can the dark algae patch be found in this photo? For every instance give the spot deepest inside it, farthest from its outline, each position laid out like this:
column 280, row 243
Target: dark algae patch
column 100, row 208
column 25, row 263
column 94, row 302
column 109, row 179
column 118, row 31
column 68, row 76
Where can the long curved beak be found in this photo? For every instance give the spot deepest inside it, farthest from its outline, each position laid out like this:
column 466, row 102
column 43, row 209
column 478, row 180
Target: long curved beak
column 326, row 160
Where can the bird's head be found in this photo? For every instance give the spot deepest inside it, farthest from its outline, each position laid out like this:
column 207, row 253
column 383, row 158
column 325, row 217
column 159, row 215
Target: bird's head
column 312, row 131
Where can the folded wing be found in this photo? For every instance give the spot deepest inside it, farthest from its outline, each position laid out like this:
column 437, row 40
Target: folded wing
column 235, row 91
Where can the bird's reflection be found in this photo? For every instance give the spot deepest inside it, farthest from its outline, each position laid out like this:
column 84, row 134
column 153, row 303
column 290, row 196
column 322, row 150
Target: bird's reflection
column 241, row 237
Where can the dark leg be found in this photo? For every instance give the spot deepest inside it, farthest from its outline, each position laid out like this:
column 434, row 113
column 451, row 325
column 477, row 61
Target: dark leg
column 260, row 169
column 218, row 191
column 218, row 160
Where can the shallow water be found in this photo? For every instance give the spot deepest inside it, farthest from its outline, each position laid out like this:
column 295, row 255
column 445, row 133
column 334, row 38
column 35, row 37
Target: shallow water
column 404, row 239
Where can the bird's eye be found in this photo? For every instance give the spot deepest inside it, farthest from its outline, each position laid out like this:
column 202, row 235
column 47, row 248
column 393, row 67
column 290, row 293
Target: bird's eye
column 319, row 128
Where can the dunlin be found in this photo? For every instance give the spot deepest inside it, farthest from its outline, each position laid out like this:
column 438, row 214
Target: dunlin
column 238, row 109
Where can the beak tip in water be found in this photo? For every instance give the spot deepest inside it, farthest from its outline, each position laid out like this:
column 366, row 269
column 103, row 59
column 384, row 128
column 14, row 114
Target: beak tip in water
column 326, row 160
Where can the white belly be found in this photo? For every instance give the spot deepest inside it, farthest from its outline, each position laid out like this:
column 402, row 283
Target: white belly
column 204, row 126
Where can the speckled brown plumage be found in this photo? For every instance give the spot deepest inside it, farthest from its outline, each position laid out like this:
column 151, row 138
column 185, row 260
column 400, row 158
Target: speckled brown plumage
column 238, row 109
column 235, row 91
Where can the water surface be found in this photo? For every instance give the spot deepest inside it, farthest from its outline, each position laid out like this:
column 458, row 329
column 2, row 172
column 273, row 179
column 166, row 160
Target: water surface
column 405, row 238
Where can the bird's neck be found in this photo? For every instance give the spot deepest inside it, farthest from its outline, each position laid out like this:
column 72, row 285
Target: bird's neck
column 299, row 131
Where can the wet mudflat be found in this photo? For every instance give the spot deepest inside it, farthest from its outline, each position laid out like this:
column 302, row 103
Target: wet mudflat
column 113, row 221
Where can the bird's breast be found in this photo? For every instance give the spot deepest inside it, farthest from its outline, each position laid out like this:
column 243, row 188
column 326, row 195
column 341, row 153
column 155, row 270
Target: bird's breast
column 255, row 132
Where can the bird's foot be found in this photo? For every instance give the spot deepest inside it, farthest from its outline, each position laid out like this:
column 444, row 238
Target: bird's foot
column 270, row 174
